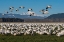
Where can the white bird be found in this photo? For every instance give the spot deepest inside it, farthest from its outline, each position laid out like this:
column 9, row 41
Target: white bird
column 31, row 13
column 22, row 7
column 17, row 9
column 11, row 9
column 30, row 9
column 44, row 11
column 60, row 33
column 49, row 6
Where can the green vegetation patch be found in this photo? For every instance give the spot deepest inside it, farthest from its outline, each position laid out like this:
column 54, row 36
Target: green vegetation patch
column 29, row 38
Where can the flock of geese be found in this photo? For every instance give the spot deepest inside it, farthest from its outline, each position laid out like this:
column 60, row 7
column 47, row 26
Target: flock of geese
column 29, row 11
column 32, row 28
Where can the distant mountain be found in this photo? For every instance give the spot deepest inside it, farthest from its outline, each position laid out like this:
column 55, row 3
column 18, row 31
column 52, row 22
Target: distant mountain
column 26, row 18
column 55, row 18
column 20, row 16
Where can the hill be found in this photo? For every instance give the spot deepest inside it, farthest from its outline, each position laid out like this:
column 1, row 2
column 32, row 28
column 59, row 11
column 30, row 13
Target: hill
column 59, row 15
column 55, row 18
column 26, row 18
column 20, row 16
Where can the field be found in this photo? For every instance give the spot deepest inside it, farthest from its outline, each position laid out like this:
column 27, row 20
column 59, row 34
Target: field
column 29, row 38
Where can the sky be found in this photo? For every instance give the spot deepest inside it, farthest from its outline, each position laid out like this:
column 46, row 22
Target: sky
column 36, row 5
